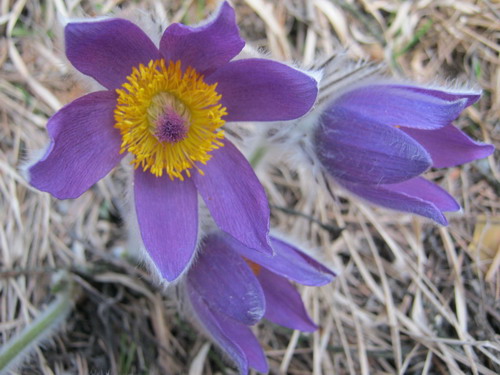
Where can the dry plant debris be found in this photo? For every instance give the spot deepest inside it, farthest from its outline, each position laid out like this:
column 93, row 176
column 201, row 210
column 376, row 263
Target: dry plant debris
column 412, row 298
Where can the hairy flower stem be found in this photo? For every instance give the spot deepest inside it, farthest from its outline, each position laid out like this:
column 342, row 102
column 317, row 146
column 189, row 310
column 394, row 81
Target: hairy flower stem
column 257, row 156
column 42, row 327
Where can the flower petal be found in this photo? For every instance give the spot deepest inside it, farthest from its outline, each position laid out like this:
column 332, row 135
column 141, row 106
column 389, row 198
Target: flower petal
column 400, row 105
column 167, row 212
column 428, row 191
column 210, row 45
column 263, row 90
column 226, row 282
column 288, row 262
column 235, row 197
column 449, row 146
column 470, row 96
column 397, row 200
column 283, row 303
column 107, row 50
column 358, row 149
column 234, row 338
column 84, row 147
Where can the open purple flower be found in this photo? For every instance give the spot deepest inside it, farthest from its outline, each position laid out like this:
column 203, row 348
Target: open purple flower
column 166, row 106
column 231, row 287
column 376, row 140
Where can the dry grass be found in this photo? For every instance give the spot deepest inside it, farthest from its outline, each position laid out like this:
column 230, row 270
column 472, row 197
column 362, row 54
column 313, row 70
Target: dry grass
column 413, row 298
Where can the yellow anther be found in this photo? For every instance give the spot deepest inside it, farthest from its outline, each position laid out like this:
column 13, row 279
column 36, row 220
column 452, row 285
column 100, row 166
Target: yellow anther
column 156, row 95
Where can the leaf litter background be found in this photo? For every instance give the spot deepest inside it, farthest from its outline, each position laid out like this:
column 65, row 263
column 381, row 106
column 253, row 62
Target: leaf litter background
column 412, row 298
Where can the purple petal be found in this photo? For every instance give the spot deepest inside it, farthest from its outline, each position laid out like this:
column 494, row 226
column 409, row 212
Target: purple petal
column 287, row 261
column 283, row 303
column 471, row 97
column 263, row 90
column 235, row 197
column 449, row 146
column 107, row 50
column 362, row 150
column 398, row 105
column 226, row 282
column 167, row 212
column 205, row 48
column 397, row 200
column 84, row 147
column 234, row 338
column 421, row 188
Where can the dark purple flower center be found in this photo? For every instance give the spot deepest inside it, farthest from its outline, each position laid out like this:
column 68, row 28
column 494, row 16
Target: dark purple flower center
column 171, row 127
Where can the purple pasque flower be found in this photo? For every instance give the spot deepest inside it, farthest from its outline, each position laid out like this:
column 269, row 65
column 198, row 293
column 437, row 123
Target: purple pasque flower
column 231, row 287
column 377, row 139
column 166, row 107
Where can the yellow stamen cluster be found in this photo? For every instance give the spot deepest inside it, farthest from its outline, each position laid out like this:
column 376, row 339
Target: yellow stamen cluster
column 150, row 91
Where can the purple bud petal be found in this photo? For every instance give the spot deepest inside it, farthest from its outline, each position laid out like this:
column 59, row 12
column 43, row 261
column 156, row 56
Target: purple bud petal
column 283, row 303
column 359, row 149
column 409, row 106
column 396, row 200
column 470, row 96
column 226, row 282
column 288, row 262
column 234, row 338
column 449, row 146
column 421, row 188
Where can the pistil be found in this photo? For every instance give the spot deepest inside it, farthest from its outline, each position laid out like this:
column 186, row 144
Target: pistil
column 171, row 127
